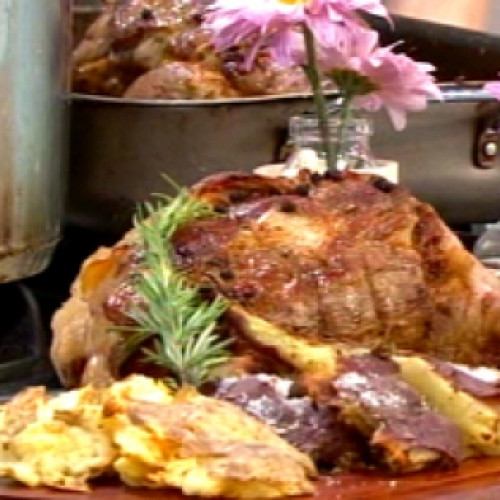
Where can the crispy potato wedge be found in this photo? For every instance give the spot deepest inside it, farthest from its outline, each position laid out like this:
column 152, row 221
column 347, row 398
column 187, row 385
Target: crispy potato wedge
column 479, row 421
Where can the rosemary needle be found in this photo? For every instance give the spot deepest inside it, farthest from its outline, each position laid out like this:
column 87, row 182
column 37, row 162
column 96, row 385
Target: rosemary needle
column 170, row 312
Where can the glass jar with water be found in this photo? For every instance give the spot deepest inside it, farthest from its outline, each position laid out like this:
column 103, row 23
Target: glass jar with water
column 349, row 142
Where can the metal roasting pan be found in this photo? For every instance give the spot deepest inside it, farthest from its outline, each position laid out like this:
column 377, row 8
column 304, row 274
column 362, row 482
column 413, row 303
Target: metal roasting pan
column 447, row 154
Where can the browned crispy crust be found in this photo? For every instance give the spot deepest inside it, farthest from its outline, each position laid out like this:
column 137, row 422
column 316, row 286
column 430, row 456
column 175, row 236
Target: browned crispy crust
column 340, row 258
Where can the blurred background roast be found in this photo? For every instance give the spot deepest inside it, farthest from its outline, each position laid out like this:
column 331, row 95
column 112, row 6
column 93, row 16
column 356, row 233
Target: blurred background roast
column 441, row 153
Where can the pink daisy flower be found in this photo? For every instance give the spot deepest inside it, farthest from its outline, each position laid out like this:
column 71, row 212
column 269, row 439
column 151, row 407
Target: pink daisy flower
column 378, row 77
column 274, row 23
column 401, row 85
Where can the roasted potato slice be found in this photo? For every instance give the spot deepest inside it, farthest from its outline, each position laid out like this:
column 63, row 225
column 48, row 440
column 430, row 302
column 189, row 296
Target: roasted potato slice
column 478, row 420
column 135, row 388
column 206, row 447
column 317, row 360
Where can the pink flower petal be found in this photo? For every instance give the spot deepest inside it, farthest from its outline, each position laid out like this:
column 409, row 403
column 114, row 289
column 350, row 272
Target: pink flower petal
column 255, row 23
column 370, row 102
column 354, row 45
column 398, row 117
column 373, row 7
column 493, row 88
column 287, row 48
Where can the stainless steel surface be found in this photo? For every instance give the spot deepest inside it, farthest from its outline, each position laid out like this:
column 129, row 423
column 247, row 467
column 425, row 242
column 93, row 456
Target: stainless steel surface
column 33, row 40
column 435, row 153
column 120, row 148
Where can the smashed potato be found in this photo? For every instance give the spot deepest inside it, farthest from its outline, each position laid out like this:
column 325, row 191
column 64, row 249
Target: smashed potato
column 56, row 442
column 137, row 388
column 206, row 447
column 58, row 455
column 138, row 429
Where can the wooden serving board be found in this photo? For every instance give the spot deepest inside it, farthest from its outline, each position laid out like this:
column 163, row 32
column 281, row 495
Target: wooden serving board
column 474, row 480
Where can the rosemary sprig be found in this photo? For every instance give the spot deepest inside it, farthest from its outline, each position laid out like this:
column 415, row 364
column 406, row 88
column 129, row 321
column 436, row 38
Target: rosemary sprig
column 170, row 312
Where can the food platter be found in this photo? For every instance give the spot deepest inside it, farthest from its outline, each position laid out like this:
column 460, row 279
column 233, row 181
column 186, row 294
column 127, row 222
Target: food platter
column 473, row 480
column 338, row 298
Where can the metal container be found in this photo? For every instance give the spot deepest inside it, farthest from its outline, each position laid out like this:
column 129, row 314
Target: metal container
column 121, row 148
column 33, row 75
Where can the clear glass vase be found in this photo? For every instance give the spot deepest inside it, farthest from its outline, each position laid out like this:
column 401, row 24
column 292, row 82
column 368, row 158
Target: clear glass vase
column 349, row 142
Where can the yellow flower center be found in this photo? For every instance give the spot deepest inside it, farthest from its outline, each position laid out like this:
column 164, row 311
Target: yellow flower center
column 294, row 2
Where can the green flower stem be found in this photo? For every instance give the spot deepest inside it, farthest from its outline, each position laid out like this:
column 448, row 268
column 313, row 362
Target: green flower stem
column 312, row 73
column 345, row 116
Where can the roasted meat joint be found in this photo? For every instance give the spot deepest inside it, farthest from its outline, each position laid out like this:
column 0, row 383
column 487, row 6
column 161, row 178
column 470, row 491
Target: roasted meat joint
column 307, row 264
column 334, row 312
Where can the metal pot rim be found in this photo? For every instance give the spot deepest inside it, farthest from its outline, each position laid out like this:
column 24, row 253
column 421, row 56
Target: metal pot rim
column 192, row 102
column 452, row 92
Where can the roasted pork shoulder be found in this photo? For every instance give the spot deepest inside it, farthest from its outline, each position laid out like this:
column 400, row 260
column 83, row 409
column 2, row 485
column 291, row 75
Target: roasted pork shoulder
column 310, row 265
